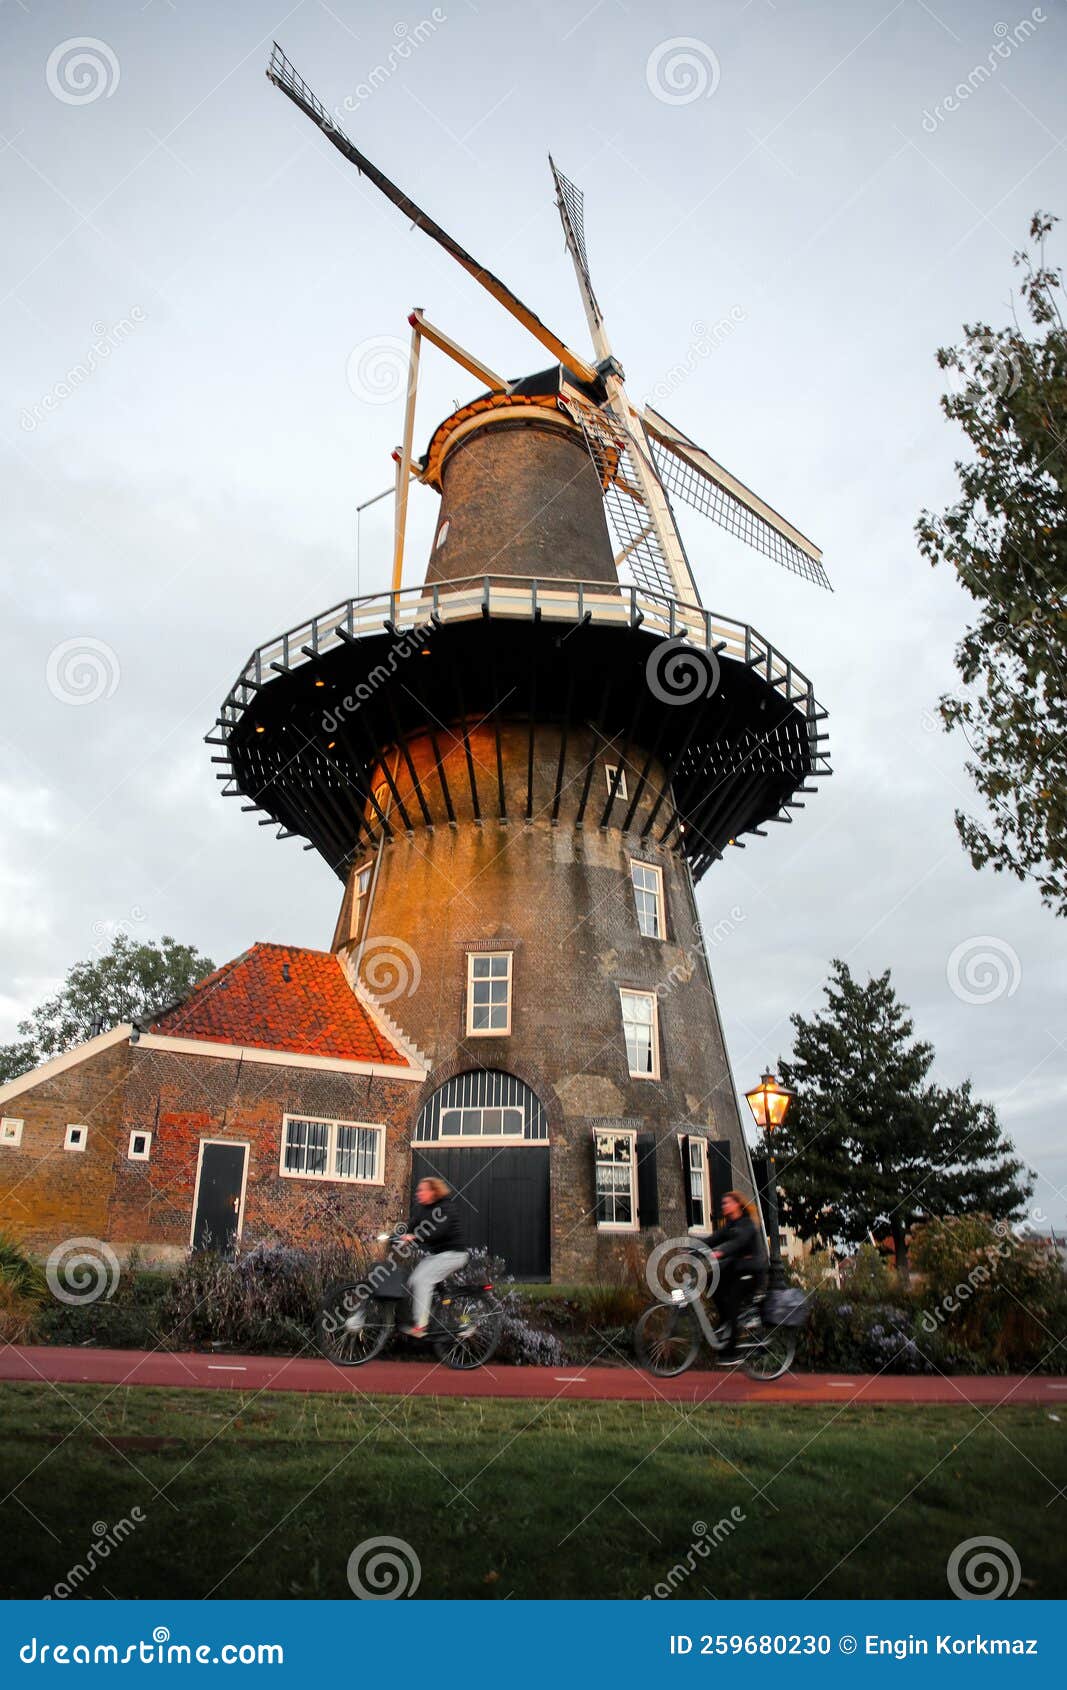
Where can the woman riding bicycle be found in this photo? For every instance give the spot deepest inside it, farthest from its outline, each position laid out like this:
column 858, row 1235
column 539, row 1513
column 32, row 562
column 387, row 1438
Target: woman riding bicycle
column 742, row 1261
column 435, row 1226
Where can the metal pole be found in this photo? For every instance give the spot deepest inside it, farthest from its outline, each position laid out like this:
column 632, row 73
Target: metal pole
column 776, row 1272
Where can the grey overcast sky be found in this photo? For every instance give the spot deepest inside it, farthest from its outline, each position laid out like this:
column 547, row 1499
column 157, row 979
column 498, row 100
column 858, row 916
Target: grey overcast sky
column 789, row 207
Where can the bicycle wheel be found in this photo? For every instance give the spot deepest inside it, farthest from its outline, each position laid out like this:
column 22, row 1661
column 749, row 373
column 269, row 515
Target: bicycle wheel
column 468, row 1331
column 666, row 1339
column 352, row 1329
column 773, row 1353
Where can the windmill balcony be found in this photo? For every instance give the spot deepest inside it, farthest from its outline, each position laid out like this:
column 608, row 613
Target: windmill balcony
column 360, row 723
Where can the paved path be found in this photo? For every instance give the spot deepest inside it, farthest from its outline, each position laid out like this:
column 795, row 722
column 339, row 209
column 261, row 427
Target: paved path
column 413, row 1378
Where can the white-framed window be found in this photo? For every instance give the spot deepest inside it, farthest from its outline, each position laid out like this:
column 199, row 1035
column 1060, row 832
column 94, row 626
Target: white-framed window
column 609, row 776
column 76, row 1138
column 699, row 1205
column 489, row 993
column 353, row 1151
column 616, row 1181
column 10, row 1131
column 139, row 1148
column 442, row 534
column 466, row 1123
column 640, row 1024
column 359, row 908
column 648, row 897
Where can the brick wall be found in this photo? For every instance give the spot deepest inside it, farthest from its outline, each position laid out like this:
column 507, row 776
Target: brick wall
column 182, row 1099
column 48, row 1194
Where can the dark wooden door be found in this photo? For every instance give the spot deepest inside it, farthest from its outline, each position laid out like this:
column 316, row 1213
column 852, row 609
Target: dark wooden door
column 503, row 1200
column 218, row 1198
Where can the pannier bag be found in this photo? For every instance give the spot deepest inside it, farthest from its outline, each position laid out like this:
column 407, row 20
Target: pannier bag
column 786, row 1308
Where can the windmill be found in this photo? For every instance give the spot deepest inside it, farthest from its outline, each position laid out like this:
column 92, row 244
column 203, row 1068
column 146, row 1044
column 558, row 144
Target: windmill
column 519, row 767
column 640, row 457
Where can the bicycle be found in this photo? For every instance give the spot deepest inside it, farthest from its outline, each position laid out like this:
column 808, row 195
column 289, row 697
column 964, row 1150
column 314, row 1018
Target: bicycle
column 358, row 1318
column 667, row 1339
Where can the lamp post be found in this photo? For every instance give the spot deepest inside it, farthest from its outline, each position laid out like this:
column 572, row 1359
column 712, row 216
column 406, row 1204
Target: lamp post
column 768, row 1102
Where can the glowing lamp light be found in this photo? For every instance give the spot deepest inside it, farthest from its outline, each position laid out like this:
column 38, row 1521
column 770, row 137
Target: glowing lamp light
column 768, row 1102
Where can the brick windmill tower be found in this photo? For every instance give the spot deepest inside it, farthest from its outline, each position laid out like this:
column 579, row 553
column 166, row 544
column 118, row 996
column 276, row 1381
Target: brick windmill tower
column 519, row 767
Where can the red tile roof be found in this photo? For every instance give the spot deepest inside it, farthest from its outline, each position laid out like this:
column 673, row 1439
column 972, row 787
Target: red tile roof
column 279, row 997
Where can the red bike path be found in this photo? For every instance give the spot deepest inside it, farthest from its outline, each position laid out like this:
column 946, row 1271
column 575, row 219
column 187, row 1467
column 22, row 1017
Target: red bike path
column 217, row 1371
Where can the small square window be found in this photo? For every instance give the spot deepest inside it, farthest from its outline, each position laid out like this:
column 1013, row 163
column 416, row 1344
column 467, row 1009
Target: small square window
column 76, row 1138
column 140, row 1148
column 610, row 771
column 10, row 1131
column 489, row 993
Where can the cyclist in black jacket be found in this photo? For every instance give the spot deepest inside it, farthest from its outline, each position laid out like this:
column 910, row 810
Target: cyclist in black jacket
column 436, row 1226
column 738, row 1249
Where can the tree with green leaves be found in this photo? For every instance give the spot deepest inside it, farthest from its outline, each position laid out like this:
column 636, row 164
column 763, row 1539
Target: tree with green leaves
column 869, row 1144
column 129, row 982
column 1006, row 538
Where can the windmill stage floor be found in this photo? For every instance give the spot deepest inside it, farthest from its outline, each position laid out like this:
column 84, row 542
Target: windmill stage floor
column 219, row 1371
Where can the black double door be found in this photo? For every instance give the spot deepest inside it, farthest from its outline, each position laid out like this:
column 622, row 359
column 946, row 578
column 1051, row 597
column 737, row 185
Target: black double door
column 503, row 1200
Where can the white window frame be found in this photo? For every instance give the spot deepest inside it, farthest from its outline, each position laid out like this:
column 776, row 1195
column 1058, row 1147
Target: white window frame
column 483, row 1138
column 609, row 775
column 144, row 1155
column 474, row 1032
column 329, row 1177
column 634, row 1223
column 362, row 899
column 10, row 1132
column 638, row 992
column 661, row 906
column 76, row 1127
column 701, row 1227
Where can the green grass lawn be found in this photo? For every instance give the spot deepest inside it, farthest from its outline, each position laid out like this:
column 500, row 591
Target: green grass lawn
column 267, row 1496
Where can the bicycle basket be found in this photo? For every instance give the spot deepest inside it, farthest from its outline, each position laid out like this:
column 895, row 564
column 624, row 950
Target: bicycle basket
column 786, row 1308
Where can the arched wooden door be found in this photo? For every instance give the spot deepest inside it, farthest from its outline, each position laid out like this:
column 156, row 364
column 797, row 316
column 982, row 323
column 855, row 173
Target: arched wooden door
column 486, row 1133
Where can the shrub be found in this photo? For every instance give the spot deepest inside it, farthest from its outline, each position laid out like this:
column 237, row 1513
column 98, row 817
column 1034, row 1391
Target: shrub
column 266, row 1298
column 20, row 1270
column 18, row 1312
column 867, row 1274
column 988, row 1295
column 129, row 1319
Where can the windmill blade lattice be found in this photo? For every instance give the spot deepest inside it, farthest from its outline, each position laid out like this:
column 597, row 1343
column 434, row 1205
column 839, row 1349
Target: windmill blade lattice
column 693, row 475
column 629, row 518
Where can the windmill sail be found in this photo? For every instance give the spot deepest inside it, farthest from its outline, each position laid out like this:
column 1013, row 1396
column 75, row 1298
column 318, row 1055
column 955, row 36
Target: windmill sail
column 571, row 203
column 285, row 76
column 693, row 475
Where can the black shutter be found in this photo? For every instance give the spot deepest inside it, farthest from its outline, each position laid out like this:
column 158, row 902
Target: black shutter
column 721, row 1173
column 687, row 1182
column 599, row 1205
column 647, row 1183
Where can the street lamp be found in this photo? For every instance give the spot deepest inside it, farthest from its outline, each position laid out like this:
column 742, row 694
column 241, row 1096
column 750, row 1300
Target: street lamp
column 769, row 1102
